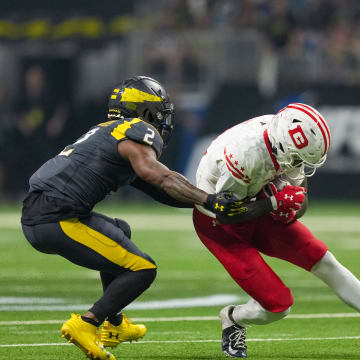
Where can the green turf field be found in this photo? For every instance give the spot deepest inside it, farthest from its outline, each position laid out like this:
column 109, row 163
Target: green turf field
column 38, row 292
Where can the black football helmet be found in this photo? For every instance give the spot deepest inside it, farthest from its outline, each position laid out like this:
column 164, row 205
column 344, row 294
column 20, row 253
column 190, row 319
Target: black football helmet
column 143, row 97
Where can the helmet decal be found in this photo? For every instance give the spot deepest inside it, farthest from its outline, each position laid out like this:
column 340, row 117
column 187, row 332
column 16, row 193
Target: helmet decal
column 298, row 137
column 135, row 95
column 114, row 96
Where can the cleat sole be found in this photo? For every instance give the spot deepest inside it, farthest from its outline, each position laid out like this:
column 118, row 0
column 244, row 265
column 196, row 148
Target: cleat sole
column 88, row 354
column 71, row 340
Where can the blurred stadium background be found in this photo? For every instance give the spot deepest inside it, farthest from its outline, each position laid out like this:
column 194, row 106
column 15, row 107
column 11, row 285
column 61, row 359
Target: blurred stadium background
column 222, row 61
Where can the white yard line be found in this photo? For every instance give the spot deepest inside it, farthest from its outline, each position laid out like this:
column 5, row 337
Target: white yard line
column 196, row 341
column 183, row 303
column 185, row 318
column 27, row 304
column 162, row 222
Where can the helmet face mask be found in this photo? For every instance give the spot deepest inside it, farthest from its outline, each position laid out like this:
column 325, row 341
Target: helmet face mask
column 300, row 138
column 143, row 97
column 167, row 121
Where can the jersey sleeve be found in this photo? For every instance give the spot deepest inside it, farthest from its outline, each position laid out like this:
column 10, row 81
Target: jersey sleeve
column 226, row 182
column 238, row 163
column 139, row 131
column 235, row 171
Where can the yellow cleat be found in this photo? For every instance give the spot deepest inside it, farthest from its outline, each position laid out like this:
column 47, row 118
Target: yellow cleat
column 83, row 335
column 111, row 335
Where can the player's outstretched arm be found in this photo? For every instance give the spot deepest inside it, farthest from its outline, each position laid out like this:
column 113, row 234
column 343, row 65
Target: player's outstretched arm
column 248, row 211
column 145, row 164
column 158, row 194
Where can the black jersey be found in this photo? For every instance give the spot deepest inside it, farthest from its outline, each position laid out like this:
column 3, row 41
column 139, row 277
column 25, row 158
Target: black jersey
column 71, row 183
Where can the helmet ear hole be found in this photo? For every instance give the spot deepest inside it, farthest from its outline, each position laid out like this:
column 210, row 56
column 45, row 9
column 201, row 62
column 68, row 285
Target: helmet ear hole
column 148, row 117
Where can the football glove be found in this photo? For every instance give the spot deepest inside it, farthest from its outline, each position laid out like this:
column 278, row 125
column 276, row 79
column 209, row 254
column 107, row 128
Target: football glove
column 289, row 198
column 224, row 203
column 285, row 217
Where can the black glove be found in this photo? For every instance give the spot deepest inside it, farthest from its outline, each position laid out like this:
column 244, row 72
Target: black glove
column 223, row 203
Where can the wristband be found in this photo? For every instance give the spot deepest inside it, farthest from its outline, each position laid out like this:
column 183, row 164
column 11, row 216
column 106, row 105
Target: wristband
column 274, row 202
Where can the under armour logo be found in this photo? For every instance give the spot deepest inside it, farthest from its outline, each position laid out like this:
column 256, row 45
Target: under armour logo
column 113, row 335
column 291, row 197
column 213, row 223
column 217, row 206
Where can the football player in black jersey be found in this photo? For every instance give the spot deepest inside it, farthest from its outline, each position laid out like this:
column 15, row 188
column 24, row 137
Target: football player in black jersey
column 57, row 215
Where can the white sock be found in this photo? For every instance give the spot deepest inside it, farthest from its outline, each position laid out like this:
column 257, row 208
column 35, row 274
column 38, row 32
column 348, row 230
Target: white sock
column 344, row 284
column 253, row 313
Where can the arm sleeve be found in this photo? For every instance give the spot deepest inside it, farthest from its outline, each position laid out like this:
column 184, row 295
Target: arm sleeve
column 158, row 194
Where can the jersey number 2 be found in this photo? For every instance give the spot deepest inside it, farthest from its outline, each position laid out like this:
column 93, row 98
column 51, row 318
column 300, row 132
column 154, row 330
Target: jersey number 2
column 149, row 136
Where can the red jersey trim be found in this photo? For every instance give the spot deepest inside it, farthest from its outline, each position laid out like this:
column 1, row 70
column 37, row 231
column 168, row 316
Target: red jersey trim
column 268, row 146
column 236, row 172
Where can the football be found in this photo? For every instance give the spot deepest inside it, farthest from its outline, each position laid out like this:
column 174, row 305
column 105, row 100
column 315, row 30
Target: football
column 279, row 183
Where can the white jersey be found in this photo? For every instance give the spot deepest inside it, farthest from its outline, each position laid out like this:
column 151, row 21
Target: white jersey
column 240, row 160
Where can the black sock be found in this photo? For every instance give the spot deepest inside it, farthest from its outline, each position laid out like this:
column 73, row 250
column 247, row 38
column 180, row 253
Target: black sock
column 91, row 321
column 122, row 290
column 116, row 320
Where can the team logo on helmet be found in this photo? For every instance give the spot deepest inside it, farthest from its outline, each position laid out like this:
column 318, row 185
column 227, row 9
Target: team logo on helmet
column 298, row 137
column 135, row 95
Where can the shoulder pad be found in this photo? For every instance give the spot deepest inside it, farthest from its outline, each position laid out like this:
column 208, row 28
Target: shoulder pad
column 138, row 130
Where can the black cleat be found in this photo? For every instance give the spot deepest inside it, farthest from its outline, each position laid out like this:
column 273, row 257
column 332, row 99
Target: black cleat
column 233, row 341
column 233, row 335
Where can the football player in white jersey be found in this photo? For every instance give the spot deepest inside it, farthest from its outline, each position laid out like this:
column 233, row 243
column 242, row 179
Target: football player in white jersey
column 266, row 161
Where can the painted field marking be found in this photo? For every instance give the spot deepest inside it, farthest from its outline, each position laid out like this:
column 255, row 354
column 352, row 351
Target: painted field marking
column 50, row 304
column 181, row 222
column 207, row 301
column 196, row 341
column 185, row 318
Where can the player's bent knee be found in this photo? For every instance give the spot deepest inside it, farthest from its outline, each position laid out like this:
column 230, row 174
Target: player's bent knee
column 124, row 226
